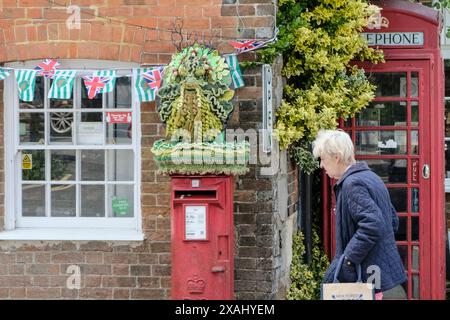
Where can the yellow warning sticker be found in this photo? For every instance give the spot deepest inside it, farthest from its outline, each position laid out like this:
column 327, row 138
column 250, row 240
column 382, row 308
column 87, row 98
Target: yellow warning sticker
column 27, row 161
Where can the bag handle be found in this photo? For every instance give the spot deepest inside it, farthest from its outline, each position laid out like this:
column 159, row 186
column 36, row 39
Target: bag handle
column 339, row 266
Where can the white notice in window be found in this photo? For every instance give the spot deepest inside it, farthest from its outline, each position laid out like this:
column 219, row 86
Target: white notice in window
column 195, row 223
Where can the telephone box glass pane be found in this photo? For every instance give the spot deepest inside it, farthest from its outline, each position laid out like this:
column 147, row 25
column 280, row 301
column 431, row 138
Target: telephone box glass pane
column 33, row 200
column 383, row 114
column 381, row 142
column 414, row 84
column 414, row 113
column 414, row 142
column 401, row 233
column 403, row 251
column 414, row 200
column 389, row 84
column 416, row 286
column 389, row 170
column 414, row 228
column 399, row 197
column 415, row 258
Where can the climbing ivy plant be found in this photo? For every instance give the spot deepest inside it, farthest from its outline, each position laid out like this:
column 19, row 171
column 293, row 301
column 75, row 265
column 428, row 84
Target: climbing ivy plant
column 318, row 40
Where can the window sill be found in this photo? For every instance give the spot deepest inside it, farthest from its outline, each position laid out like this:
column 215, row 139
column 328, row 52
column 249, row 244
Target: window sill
column 72, row 234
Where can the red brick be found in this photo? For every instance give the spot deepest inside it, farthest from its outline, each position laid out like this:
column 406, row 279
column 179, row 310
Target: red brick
column 147, row 294
column 118, row 282
column 121, row 294
column 95, row 293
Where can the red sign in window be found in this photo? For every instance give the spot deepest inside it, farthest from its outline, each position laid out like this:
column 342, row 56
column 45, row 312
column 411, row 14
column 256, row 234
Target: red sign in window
column 118, row 117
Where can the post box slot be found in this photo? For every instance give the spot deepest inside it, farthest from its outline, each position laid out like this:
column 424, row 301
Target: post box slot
column 195, row 194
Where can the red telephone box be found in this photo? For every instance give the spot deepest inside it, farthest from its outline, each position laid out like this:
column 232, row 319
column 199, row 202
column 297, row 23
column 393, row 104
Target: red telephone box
column 202, row 237
column 401, row 137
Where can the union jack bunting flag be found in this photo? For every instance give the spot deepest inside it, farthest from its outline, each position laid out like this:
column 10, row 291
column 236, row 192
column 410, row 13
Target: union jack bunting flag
column 47, row 68
column 247, row 45
column 153, row 77
column 95, row 85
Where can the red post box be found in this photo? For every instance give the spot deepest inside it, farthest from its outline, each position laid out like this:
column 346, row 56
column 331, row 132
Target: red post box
column 202, row 237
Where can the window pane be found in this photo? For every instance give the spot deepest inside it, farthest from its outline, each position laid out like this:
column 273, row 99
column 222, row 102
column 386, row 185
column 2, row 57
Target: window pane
column 120, row 201
column 33, row 200
column 414, row 84
column 33, row 165
column 389, row 84
column 120, row 165
column 389, row 170
column 415, row 258
column 95, row 103
column 39, row 95
column 32, row 128
column 381, row 142
column 63, row 165
column 119, row 133
column 401, row 233
column 403, row 251
column 416, row 286
column 414, row 142
column 61, row 127
column 92, row 200
column 93, row 165
column 63, row 200
column 414, row 228
column 61, row 103
column 414, row 200
column 122, row 94
column 398, row 198
column 414, row 113
column 90, row 128
column 383, row 114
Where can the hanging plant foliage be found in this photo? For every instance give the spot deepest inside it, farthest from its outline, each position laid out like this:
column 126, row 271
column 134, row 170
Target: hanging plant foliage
column 319, row 40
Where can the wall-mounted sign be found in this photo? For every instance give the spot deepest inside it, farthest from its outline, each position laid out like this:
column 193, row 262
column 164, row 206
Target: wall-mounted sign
column 118, row 117
column 195, row 222
column 394, row 38
column 27, row 161
column 120, row 206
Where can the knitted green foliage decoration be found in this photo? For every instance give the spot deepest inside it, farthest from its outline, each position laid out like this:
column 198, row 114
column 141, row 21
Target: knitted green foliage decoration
column 195, row 95
column 195, row 104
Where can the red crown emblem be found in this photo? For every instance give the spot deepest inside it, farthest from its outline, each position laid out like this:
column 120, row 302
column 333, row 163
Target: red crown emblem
column 196, row 285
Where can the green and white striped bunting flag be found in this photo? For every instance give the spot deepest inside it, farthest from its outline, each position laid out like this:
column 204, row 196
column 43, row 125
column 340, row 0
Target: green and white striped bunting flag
column 143, row 90
column 62, row 84
column 235, row 70
column 107, row 73
column 26, row 80
column 4, row 74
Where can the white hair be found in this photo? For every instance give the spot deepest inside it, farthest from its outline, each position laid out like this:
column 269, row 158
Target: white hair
column 334, row 142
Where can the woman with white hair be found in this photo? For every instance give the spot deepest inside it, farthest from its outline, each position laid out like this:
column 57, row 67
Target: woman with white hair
column 365, row 217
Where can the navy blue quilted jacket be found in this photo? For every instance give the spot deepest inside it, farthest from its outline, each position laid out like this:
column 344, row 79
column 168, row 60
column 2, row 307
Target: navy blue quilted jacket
column 365, row 225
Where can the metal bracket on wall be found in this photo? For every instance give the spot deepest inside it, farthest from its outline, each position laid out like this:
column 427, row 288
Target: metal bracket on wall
column 267, row 108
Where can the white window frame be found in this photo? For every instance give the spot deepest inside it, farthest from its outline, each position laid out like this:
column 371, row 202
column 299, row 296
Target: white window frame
column 67, row 228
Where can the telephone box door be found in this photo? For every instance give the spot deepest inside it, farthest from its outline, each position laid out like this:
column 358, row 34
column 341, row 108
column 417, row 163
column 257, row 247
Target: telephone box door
column 393, row 136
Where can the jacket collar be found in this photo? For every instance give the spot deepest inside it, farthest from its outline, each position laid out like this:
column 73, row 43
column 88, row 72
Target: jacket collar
column 356, row 167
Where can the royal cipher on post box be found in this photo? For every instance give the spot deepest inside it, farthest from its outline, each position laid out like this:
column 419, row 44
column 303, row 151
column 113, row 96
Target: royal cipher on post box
column 202, row 237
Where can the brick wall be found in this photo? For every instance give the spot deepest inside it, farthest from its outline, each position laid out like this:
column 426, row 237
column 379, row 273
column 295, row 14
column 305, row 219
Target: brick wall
column 32, row 29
